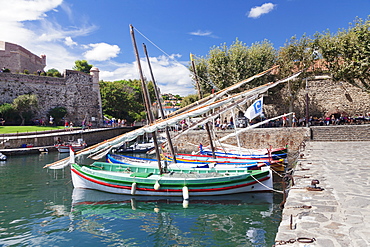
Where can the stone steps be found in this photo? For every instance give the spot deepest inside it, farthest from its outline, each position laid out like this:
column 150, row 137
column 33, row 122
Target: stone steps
column 341, row 133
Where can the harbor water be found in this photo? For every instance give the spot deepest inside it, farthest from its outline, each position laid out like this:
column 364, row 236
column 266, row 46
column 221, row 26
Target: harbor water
column 40, row 207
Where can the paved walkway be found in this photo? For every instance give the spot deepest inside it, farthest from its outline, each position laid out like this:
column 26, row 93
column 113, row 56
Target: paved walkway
column 339, row 215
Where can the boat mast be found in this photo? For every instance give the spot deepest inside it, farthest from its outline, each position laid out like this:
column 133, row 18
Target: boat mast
column 146, row 97
column 200, row 96
column 160, row 105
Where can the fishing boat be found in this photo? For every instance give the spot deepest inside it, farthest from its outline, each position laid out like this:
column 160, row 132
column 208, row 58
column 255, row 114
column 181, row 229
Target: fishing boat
column 2, row 157
column 223, row 147
column 148, row 180
column 168, row 162
column 155, row 181
column 277, row 153
column 139, row 147
column 75, row 145
column 235, row 161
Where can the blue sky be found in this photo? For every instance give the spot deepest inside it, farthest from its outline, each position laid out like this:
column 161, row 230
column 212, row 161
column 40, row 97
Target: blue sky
column 98, row 31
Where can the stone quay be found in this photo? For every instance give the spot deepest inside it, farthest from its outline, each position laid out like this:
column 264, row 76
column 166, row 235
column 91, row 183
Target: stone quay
column 329, row 203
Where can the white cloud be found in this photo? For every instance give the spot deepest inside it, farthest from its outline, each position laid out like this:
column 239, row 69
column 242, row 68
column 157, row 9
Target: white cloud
column 201, row 33
column 69, row 41
column 260, row 10
column 171, row 76
column 101, row 52
column 25, row 10
column 26, row 23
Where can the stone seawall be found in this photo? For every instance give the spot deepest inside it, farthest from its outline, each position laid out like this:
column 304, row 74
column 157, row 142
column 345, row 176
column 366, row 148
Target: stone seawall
column 91, row 137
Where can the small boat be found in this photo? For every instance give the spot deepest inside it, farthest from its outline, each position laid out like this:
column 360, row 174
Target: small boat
column 75, row 145
column 2, row 157
column 185, row 163
column 147, row 180
column 276, row 153
column 220, row 159
column 138, row 147
column 235, row 161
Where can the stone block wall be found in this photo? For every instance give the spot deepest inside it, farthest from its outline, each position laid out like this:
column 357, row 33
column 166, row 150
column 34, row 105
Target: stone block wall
column 74, row 92
column 325, row 97
column 17, row 59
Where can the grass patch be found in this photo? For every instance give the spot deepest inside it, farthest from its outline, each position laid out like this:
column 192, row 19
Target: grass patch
column 22, row 129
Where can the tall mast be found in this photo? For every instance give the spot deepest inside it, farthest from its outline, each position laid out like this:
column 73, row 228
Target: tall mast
column 160, row 105
column 200, row 97
column 146, row 97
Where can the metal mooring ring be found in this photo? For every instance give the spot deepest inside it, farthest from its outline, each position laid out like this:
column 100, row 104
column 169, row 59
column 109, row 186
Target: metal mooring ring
column 306, row 240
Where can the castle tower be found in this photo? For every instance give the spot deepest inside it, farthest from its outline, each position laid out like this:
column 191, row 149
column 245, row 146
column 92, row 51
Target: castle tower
column 94, row 72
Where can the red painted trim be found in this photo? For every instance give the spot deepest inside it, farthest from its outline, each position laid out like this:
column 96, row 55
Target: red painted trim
column 167, row 190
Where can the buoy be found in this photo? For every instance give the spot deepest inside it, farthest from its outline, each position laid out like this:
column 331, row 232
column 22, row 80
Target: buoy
column 157, row 185
column 185, row 193
column 185, row 203
column 133, row 189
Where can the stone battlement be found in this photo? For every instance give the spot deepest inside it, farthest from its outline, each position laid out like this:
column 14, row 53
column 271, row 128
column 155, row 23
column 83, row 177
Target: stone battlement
column 17, row 59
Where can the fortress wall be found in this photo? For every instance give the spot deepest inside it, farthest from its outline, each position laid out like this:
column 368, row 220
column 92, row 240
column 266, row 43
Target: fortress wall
column 74, row 92
column 325, row 97
column 17, row 59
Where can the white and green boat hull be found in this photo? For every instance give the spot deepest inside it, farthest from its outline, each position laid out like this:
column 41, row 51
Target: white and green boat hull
column 141, row 180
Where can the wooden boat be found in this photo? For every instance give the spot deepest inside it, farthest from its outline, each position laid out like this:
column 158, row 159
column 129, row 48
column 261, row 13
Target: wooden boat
column 185, row 182
column 135, row 148
column 147, row 180
column 75, row 145
column 139, row 147
column 275, row 154
column 235, row 161
column 124, row 159
column 221, row 159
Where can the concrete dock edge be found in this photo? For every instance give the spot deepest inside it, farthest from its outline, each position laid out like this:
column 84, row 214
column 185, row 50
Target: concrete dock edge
column 337, row 215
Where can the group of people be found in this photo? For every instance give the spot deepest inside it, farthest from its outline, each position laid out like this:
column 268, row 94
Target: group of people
column 333, row 119
column 115, row 122
column 225, row 124
column 69, row 125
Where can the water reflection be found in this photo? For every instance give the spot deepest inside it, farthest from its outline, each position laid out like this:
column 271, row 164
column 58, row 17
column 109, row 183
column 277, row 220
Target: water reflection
column 243, row 219
column 39, row 207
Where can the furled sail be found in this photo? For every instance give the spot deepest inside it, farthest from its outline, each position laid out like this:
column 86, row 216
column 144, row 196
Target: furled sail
column 171, row 121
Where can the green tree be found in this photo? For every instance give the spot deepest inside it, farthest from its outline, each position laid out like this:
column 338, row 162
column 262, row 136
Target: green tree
column 296, row 55
column 58, row 113
column 347, row 53
column 8, row 113
column 187, row 100
column 83, row 66
column 53, row 72
column 26, row 105
column 122, row 99
column 224, row 66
